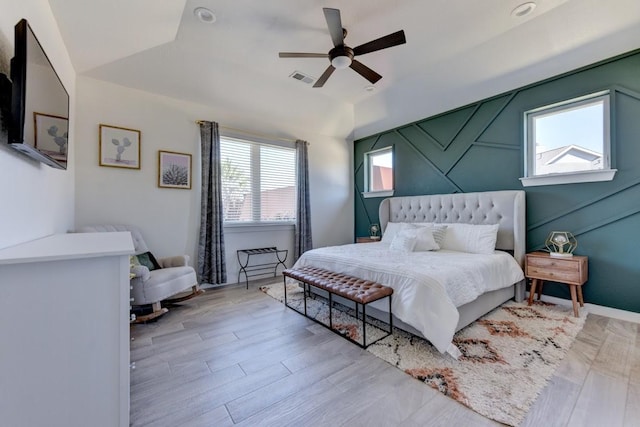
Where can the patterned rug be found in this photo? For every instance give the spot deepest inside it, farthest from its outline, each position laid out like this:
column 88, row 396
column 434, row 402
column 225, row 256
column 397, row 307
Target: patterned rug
column 507, row 355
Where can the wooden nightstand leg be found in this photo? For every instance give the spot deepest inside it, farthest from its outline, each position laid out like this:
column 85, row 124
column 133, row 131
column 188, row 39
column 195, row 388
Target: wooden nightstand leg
column 580, row 296
column 573, row 299
column 540, row 286
column 532, row 290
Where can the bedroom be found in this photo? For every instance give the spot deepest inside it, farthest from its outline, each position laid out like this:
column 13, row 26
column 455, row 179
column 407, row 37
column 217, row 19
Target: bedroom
column 80, row 196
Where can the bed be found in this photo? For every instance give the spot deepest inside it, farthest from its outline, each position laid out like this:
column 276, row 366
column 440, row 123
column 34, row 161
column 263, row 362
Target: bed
column 428, row 301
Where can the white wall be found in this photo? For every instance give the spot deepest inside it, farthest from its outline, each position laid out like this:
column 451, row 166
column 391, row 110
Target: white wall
column 35, row 200
column 169, row 218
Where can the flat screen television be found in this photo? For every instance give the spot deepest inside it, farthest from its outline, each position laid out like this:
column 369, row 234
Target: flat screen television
column 39, row 124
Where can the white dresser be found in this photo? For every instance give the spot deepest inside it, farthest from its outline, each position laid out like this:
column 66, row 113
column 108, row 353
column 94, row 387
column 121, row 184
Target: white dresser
column 64, row 331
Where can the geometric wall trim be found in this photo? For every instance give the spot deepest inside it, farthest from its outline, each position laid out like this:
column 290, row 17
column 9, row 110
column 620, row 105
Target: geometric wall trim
column 479, row 147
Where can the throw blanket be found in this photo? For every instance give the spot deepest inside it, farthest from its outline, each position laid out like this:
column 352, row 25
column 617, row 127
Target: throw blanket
column 428, row 286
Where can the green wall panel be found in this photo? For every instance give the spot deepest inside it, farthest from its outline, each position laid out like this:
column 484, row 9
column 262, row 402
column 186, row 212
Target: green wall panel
column 443, row 129
column 476, row 176
column 479, row 147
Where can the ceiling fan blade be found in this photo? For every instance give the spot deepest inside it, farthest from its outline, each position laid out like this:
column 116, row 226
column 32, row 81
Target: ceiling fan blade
column 302, row 55
column 390, row 40
column 335, row 25
column 325, row 76
column 365, row 71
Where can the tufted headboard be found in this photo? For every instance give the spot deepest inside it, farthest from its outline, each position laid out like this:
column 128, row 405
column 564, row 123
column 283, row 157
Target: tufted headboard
column 506, row 208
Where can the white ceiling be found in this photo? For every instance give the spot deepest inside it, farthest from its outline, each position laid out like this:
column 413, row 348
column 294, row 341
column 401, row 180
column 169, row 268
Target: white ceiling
column 160, row 46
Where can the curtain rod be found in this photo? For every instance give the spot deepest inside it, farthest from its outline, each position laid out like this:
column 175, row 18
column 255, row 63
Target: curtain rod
column 256, row 134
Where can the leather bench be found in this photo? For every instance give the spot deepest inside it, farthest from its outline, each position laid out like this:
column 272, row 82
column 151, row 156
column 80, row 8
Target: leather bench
column 359, row 291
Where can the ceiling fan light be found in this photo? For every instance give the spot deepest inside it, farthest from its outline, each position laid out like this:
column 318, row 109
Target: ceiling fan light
column 341, row 62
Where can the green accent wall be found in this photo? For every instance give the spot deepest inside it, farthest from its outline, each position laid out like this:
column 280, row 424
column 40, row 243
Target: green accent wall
column 479, row 147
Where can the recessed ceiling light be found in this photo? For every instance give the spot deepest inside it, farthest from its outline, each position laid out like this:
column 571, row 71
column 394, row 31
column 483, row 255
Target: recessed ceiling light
column 370, row 88
column 204, row 15
column 523, row 10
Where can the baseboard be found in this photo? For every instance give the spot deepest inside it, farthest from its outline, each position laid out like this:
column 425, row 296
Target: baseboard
column 600, row 310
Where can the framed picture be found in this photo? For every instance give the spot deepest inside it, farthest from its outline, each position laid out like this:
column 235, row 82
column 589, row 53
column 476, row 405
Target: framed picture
column 119, row 147
column 51, row 135
column 174, row 170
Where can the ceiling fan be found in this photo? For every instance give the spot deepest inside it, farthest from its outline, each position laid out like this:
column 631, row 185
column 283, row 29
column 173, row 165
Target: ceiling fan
column 342, row 56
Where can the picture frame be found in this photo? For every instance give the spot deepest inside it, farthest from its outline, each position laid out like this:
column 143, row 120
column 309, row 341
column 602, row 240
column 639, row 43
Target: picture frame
column 174, row 170
column 51, row 135
column 119, row 147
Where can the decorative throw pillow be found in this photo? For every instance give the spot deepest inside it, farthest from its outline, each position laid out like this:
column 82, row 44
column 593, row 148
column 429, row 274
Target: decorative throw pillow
column 425, row 239
column 472, row 238
column 148, row 260
column 438, row 230
column 404, row 241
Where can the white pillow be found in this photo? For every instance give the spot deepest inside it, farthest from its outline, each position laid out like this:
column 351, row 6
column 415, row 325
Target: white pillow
column 425, row 240
column 392, row 229
column 428, row 240
column 438, row 231
column 404, row 241
column 472, row 238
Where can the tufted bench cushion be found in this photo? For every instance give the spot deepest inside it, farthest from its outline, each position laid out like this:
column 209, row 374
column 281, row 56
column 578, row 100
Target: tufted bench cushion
column 357, row 290
column 349, row 287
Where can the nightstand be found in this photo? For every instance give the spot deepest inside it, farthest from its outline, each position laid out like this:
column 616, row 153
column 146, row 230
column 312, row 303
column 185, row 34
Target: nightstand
column 367, row 239
column 572, row 271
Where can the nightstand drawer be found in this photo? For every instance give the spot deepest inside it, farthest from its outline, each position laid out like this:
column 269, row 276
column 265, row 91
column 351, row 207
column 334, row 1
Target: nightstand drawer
column 571, row 275
column 555, row 263
column 572, row 270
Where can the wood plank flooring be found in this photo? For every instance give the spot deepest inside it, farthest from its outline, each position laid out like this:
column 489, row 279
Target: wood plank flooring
column 236, row 357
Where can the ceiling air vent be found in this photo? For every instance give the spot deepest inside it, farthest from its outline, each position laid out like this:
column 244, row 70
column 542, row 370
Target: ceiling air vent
column 302, row 77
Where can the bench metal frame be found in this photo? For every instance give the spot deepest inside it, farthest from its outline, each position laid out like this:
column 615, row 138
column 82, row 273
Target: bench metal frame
column 307, row 290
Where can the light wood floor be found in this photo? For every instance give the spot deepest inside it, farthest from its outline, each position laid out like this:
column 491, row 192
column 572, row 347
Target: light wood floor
column 238, row 357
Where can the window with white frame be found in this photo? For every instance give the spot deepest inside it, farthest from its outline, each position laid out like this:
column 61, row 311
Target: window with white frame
column 378, row 176
column 569, row 142
column 258, row 182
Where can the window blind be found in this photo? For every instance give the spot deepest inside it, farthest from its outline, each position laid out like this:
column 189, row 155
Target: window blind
column 258, row 181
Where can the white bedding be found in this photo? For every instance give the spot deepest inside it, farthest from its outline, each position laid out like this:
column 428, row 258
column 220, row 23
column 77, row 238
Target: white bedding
column 428, row 286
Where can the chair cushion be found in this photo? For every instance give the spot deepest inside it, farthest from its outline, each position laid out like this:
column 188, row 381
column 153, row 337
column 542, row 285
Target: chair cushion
column 148, row 260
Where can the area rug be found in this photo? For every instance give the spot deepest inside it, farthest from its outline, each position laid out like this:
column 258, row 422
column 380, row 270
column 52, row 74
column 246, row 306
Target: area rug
column 507, row 355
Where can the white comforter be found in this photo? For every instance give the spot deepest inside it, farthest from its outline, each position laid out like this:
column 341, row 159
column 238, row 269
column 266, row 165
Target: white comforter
column 428, row 286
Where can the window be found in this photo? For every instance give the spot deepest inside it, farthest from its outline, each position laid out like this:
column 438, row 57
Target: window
column 378, row 175
column 258, row 182
column 568, row 142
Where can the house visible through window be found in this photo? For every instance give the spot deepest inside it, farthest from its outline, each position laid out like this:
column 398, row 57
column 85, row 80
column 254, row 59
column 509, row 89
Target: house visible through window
column 569, row 142
column 258, row 182
column 379, row 172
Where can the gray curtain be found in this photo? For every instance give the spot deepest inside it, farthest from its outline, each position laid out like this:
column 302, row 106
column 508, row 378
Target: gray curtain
column 211, row 259
column 303, row 240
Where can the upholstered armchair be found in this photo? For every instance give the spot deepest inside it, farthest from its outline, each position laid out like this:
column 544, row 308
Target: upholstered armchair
column 154, row 280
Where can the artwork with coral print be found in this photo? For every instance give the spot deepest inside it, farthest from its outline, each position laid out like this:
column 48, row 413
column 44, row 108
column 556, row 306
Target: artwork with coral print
column 52, row 135
column 174, row 170
column 119, row 147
